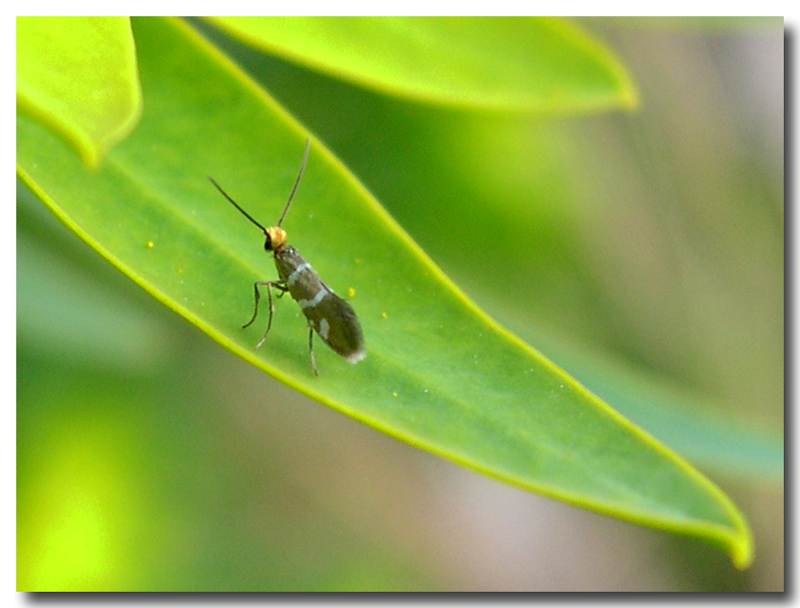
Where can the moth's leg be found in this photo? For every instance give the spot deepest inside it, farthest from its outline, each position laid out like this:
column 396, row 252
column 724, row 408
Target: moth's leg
column 257, row 297
column 311, row 350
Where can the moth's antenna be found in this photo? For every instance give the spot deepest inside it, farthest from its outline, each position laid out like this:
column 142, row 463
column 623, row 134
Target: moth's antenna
column 294, row 188
column 235, row 204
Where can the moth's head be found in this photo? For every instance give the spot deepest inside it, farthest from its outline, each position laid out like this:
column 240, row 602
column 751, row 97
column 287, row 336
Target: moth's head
column 276, row 238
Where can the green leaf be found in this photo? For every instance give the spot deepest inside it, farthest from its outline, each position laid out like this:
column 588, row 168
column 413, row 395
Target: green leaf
column 684, row 422
column 519, row 64
column 438, row 374
column 78, row 76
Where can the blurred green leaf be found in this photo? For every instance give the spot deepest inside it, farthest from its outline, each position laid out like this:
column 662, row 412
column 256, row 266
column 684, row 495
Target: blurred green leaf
column 85, row 323
column 530, row 64
column 111, row 496
column 78, row 76
column 439, row 373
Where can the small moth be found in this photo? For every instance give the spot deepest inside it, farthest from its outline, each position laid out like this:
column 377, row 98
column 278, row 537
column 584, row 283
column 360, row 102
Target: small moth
column 329, row 315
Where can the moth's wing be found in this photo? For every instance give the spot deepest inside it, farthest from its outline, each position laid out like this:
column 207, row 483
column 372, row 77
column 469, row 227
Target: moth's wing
column 336, row 323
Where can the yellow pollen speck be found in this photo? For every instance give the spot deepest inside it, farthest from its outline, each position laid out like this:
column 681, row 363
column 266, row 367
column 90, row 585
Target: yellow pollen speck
column 150, row 244
column 384, row 315
column 350, row 292
column 394, row 393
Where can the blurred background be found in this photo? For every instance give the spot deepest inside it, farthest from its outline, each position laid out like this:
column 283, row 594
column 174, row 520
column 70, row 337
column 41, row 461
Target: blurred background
column 642, row 251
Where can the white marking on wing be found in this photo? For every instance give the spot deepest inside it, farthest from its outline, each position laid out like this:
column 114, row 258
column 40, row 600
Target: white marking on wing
column 296, row 273
column 313, row 301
